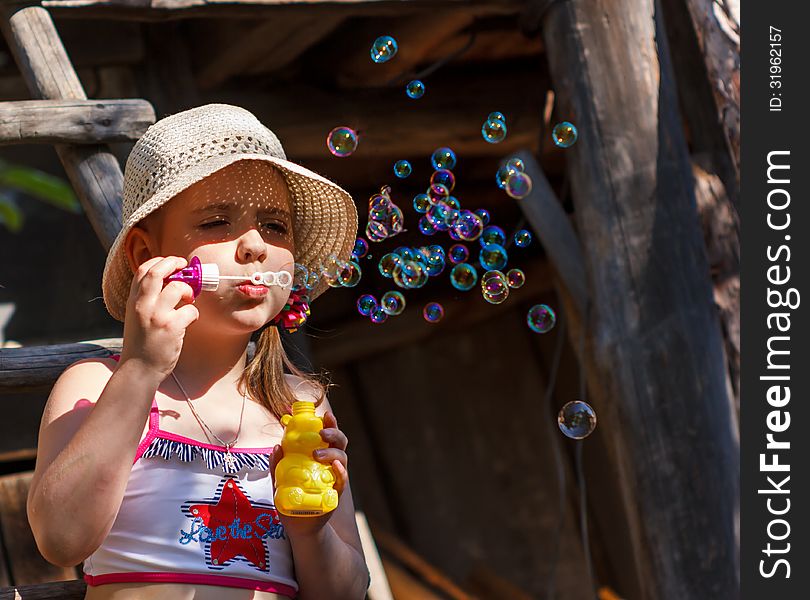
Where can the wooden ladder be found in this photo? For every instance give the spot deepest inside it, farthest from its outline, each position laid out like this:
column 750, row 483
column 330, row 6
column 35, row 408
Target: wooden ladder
column 80, row 129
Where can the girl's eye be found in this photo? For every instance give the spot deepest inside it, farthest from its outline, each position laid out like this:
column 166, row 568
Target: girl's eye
column 280, row 227
column 212, row 224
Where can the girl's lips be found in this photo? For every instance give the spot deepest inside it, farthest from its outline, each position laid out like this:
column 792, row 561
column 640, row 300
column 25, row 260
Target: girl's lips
column 253, row 291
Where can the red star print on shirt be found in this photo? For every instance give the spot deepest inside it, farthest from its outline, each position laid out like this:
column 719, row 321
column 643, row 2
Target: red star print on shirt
column 232, row 521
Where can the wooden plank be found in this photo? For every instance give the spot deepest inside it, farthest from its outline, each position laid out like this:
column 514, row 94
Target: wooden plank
column 554, row 230
column 654, row 350
column 232, row 48
column 93, row 170
column 302, row 115
column 466, row 440
column 157, row 10
column 61, row 590
column 74, row 121
column 33, row 367
column 416, row 36
column 26, row 563
column 379, row 588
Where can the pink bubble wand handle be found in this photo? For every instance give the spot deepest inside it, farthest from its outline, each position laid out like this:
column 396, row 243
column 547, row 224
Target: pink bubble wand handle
column 205, row 277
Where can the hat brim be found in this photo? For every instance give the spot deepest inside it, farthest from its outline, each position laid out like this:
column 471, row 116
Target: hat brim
column 325, row 222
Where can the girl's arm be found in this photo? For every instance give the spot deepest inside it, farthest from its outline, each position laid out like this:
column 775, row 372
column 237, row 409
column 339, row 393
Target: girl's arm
column 88, row 438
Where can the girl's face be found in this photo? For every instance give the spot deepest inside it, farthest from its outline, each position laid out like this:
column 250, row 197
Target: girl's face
column 239, row 218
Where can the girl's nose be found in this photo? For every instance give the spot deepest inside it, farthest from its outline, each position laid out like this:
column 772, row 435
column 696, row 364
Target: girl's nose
column 252, row 247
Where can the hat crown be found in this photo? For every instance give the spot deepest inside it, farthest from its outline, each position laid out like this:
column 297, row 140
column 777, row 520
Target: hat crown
column 182, row 140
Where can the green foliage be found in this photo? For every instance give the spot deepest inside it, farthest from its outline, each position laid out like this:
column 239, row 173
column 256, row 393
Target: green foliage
column 38, row 184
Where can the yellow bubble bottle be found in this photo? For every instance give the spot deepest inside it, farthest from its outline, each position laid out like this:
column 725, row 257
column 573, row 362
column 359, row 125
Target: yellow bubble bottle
column 304, row 486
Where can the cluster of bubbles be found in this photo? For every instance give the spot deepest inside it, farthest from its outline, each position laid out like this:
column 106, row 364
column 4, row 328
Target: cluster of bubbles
column 410, row 268
column 415, row 89
column 577, row 419
column 494, row 128
column 342, row 141
column 512, row 179
column 385, row 218
column 383, row 49
column 564, row 134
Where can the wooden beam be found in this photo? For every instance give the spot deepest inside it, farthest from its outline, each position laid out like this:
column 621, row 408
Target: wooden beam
column 74, row 121
column 554, row 231
column 302, row 115
column 94, row 171
column 160, row 10
column 653, row 348
column 416, row 36
column 231, row 48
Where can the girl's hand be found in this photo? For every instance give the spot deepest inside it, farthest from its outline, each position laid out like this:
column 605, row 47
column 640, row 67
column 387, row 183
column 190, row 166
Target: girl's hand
column 154, row 329
column 334, row 456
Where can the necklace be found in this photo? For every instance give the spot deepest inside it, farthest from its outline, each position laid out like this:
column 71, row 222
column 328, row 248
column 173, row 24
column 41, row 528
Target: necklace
column 230, row 461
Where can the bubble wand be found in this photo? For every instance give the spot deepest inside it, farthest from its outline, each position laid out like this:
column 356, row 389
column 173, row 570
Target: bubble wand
column 205, row 277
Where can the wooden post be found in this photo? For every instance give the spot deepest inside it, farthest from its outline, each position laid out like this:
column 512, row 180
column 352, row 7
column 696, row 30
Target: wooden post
column 654, row 347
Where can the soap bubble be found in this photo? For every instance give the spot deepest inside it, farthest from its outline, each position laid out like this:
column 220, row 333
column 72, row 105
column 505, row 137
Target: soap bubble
column 494, row 287
column 365, row 304
column 564, row 134
column 437, row 192
column 445, row 177
column 312, row 279
column 407, row 273
column 376, row 231
column 468, row 225
column 383, row 49
column 494, row 131
column 300, row 274
column 402, row 168
column 503, row 175
column 493, row 257
column 463, row 276
column 393, row 303
column 342, row 141
column 360, row 248
column 425, row 226
column 453, row 201
column 518, row 185
column 484, row 214
column 443, row 158
column 351, row 274
column 378, row 315
column 492, row 234
column 458, row 253
column 421, row 203
column 415, row 89
column 433, row 312
column 541, row 318
column 577, row 419
column 388, row 263
column 516, row 163
column 523, row 238
column 515, row 278
column 498, row 116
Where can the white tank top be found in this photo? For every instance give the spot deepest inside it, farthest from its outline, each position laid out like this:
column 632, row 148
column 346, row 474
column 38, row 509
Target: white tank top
column 186, row 517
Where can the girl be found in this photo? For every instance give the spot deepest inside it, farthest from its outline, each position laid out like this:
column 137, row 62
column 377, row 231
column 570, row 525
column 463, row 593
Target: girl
column 155, row 466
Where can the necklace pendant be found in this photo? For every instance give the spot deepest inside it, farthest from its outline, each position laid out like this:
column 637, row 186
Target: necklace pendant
column 229, row 460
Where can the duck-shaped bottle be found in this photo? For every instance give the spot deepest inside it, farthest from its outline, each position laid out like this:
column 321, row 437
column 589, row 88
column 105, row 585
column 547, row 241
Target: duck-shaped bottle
column 304, row 486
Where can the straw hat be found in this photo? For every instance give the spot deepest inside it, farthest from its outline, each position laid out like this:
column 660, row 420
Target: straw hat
column 186, row 147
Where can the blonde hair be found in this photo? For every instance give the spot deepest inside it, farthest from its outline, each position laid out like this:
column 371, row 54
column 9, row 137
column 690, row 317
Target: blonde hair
column 265, row 380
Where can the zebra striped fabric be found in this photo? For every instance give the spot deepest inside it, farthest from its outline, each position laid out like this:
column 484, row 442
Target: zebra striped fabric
column 214, row 459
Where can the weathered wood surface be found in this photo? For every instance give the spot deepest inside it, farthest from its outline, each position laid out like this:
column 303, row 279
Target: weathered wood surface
column 26, row 565
column 654, row 348
column 148, row 10
column 94, row 172
column 32, row 367
column 721, row 231
column 554, row 231
column 74, row 121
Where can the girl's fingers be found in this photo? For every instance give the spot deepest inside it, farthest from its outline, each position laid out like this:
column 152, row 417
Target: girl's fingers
column 341, row 476
column 327, row 455
column 335, row 438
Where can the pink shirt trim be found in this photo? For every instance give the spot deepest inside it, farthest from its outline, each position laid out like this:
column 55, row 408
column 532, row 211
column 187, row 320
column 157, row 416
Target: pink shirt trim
column 222, row 580
column 156, row 431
